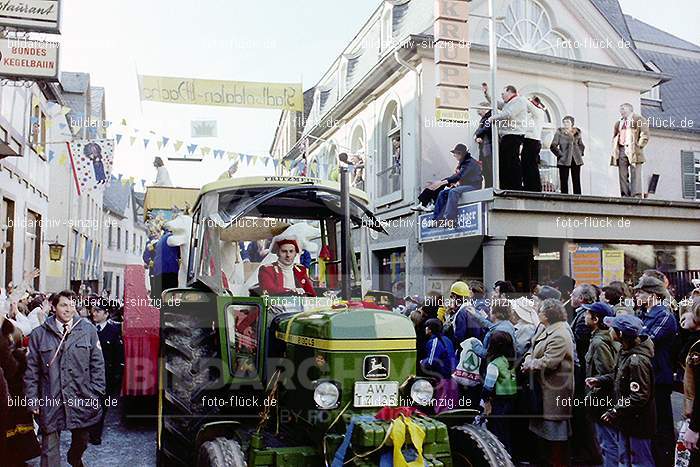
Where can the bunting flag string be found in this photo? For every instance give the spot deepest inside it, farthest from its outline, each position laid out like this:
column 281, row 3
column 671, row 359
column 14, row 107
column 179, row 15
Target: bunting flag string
column 192, row 149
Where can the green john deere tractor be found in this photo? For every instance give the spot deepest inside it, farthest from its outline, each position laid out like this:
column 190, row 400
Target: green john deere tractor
column 248, row 379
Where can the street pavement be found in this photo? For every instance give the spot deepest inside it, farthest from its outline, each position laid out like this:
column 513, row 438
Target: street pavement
column 130, row 440
column 126, row 441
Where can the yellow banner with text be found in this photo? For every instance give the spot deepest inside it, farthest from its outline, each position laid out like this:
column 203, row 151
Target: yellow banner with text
column 194, row 91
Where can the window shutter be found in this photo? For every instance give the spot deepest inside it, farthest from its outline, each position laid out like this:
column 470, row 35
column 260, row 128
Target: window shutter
column 689, row 176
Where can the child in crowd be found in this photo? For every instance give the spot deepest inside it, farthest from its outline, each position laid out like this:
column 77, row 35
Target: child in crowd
column 500, row 387
column 439, row 354
column 634, row 414
column 600, row 360
column 439, row 362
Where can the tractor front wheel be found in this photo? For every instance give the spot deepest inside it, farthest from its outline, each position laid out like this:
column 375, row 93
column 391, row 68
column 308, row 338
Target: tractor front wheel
column 474, row 446
column 221, row 452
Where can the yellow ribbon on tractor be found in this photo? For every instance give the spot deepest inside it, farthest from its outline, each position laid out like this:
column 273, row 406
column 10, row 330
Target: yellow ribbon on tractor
column 398, row 438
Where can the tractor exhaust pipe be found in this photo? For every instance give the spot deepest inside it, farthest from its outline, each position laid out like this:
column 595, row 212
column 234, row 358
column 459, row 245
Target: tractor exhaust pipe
column 345, row 231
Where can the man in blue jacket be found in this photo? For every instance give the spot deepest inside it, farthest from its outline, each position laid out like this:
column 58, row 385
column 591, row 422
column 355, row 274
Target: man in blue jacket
column 661, row 326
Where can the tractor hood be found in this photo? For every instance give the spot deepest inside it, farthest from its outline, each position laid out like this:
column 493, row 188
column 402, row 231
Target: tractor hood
column 355, row 329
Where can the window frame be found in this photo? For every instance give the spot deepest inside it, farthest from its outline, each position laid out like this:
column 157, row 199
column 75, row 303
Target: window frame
column 386, row 155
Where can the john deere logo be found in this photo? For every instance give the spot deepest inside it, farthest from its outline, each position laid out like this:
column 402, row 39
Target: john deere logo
column 376, row 367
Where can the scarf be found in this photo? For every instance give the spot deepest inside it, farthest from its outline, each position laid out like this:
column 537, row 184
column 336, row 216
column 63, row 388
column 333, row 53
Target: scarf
column 288, row 281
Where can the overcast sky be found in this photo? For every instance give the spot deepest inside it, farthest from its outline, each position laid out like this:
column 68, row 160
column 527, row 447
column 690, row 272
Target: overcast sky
column 272, row 40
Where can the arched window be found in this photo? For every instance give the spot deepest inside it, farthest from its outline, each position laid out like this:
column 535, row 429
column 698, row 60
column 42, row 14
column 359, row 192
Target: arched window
column 527, row 27
column 327, row 161
column 358, row 149
column 389, row 169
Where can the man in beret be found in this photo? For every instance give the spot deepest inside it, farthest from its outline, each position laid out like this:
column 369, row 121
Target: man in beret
column 283, row 277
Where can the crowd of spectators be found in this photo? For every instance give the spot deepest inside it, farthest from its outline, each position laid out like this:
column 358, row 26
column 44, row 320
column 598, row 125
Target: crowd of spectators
column 61, row 358
column 586, row 373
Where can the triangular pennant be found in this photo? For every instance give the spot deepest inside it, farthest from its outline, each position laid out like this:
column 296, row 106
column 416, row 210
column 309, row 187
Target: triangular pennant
column 62, row 126
column 231, row 155
column 119, row 176
column 165, row 140
column 51, row 155
column 275, row 163
column 49, row 123
column 248, row 158
column 205, row 151
column 118, row 137
column 178, row 145
column 191, row 148
column 159, row 144
column 267, row 161
column 132, row 140
column 62, row 158
column 65, row 110
column 143, row 183
column 124, row 121
column 145, row 143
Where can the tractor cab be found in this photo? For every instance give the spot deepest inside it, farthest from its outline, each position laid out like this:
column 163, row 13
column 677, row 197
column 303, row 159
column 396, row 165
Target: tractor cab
column 235, row 225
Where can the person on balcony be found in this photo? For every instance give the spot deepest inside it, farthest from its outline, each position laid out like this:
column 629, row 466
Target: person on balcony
column 511, row 122
column 567, row 145
column 283, row 277
column 630, row 136
column 446, row 192
column 482, row 136
column 532, row 145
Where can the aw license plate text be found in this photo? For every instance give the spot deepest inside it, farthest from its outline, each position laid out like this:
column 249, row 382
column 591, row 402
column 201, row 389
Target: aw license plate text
column 370, row 394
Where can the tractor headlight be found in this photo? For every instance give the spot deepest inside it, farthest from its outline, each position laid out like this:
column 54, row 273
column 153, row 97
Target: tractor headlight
column 326, row 395
column 422, row 392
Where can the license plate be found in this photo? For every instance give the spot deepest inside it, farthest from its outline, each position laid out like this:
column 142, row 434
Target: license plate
column 371, row 394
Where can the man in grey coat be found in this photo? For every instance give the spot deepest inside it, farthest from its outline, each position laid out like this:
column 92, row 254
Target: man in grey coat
column 65, row 380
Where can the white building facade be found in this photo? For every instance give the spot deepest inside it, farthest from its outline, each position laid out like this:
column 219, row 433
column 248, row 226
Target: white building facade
column 378, row 100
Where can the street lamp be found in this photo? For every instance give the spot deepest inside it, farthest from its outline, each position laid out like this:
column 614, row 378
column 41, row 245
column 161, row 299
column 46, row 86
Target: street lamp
column 55, row 250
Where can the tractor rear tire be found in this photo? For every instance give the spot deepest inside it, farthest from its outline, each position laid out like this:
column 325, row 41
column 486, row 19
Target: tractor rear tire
column 474, row 446
column 221, row 452
column 189, row 349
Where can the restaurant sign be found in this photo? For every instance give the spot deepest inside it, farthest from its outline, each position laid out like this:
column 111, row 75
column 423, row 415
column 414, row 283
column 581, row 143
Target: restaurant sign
column 31, row 15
